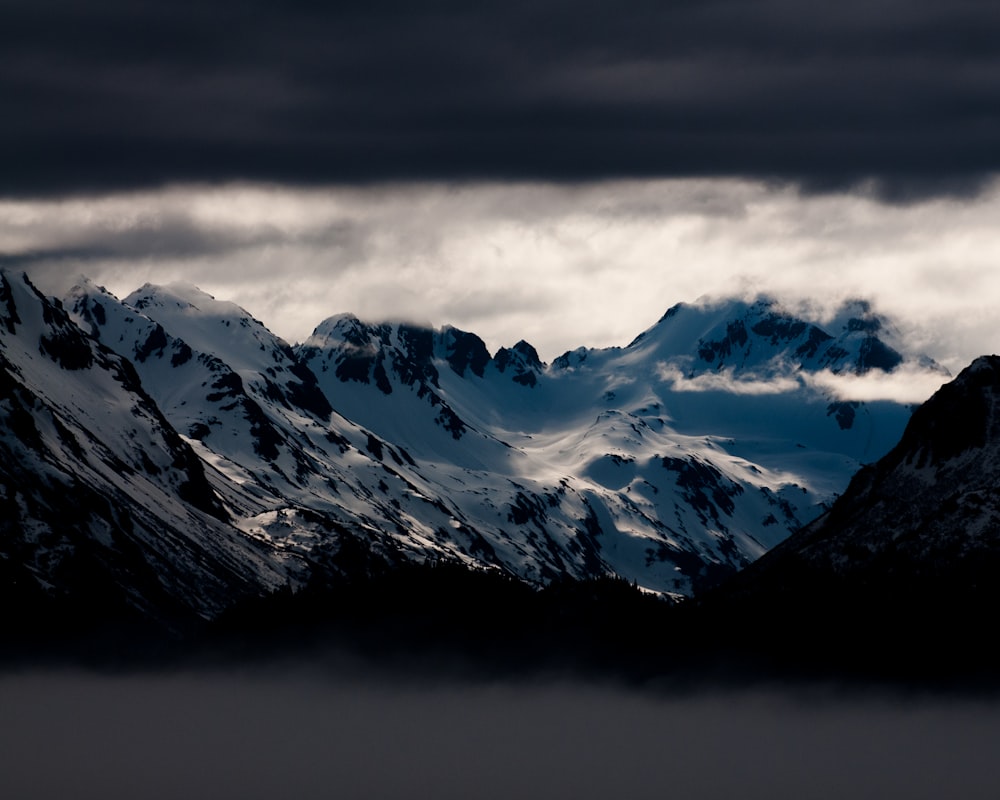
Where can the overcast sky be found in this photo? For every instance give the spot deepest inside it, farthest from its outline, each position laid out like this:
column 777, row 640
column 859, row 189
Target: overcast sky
column 558, row 171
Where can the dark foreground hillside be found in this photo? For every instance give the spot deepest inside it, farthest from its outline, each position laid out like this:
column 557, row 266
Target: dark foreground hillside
column 902, row 575
column 897, row 633
column 449, row 620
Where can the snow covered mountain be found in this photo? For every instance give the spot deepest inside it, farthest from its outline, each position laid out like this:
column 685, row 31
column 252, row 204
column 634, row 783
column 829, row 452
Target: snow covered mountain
column 107, row 511
column 670, row 462
column 702, row 437
column 294, row 475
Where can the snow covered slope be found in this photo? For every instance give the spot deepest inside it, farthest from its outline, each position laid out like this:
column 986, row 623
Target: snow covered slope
column 697, row 447
column 292, row 473
column 670, row 462
column 105, row 506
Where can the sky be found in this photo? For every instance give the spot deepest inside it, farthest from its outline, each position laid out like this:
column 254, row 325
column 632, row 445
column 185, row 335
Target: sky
column 554, row 171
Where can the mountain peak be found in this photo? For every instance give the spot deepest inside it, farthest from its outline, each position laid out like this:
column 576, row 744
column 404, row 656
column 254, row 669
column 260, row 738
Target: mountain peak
column 465, row 351
column 962, row 415
column 188, row 300
column 528, row 353
column 181, row 294
column 345, row 327
column 748, row 334
column 217, row 328
column 987, row 364
column 521, row 361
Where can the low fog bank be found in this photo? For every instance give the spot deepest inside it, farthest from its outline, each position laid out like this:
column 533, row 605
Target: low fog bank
column 319, row 730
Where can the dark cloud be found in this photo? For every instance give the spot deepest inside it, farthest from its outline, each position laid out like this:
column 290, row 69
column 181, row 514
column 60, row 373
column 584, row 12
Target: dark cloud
column 162, row 237
column 114, row 94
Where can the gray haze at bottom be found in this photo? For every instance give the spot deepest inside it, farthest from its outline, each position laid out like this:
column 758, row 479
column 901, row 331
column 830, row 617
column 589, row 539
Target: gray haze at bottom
column 302, row 733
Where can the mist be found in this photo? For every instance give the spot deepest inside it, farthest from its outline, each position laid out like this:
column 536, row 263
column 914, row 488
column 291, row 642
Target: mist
column 312, row 731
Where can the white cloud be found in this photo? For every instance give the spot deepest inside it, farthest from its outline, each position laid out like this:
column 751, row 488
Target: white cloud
column 726, row 381
column 908, row 383
column 558, row 265
column 905, row 384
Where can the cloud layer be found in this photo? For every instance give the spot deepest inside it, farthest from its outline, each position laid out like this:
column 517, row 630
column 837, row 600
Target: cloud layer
column 560, row 266
column 905, row 384
column 114, row 95
column 726, row 381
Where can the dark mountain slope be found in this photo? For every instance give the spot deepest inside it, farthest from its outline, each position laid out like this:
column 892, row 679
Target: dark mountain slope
column 902, row 574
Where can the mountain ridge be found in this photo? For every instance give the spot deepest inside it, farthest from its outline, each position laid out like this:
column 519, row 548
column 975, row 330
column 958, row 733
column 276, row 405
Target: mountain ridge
column 420, row 445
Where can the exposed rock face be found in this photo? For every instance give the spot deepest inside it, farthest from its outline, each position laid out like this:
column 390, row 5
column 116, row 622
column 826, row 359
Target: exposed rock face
column 521, row 362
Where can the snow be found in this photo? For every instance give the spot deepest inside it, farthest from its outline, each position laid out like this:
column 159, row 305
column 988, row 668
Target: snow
column 97, row 436
column 607, row 464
